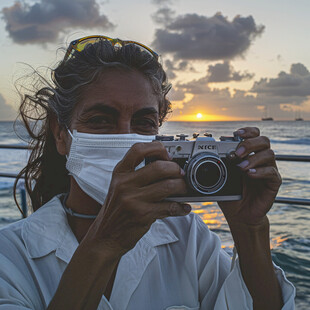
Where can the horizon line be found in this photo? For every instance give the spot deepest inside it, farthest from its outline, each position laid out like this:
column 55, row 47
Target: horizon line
column 210, row 121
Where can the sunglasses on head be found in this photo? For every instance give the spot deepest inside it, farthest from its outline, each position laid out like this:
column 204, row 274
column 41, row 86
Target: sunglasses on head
column 79, row 45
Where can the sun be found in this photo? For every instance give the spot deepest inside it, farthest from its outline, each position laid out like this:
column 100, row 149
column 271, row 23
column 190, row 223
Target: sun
column 199, row 115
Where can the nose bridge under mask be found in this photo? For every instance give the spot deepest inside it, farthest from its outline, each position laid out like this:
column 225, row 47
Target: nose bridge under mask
column 109, row 140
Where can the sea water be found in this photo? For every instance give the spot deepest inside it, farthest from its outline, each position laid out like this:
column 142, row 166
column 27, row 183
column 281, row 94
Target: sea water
column 290, row 224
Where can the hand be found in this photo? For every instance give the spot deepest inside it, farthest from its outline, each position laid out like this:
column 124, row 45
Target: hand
column 261, row 180
column 135, row 198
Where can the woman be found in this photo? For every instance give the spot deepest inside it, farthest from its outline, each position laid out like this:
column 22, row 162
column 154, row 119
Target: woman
column 103, row 240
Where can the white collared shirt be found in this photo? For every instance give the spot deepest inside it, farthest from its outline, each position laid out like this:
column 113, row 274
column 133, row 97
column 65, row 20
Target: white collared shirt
column 177, row 264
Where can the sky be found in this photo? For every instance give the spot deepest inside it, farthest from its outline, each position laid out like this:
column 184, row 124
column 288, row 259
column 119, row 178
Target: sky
column 226, row 60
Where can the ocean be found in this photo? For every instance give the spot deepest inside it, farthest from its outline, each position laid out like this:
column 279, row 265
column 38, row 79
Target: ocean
column 290, row 223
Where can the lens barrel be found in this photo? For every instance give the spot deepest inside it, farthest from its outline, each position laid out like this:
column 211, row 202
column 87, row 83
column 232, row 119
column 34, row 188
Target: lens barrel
column 206, row 173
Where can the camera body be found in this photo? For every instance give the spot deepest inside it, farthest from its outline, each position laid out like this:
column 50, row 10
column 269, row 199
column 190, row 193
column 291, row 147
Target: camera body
column 210, row 166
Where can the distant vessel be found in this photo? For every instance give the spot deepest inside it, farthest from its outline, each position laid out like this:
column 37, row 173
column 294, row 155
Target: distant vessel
column 298, row 116
column 266, row 117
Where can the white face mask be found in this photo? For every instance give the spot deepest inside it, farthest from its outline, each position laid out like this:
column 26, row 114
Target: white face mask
column 93, row 157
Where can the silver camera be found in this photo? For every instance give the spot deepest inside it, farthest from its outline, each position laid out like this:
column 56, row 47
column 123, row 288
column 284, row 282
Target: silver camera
column 210, row 166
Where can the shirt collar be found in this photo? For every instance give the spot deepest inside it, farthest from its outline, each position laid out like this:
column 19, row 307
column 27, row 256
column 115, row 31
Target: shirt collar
column 47, row 230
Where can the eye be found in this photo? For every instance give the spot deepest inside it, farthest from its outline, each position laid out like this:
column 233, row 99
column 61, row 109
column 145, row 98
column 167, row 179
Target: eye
column 145, row 124
column 100, row 120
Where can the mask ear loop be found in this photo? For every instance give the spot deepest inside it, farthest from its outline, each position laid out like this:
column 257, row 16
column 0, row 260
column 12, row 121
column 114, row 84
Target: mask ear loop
column 69, row 132
column 71, row 137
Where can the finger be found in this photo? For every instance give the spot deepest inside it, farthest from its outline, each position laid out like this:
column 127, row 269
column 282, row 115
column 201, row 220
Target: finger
column 263, row 158
column 163, row 189
column 267, row 173
column 248, row 132
column 170, row 208
column 137, row 154
column 156, row 171
column 248, row 146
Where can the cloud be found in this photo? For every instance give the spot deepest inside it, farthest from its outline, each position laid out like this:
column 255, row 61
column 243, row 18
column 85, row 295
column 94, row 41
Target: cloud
column 217, row 102
column 224, row 72
column 299, row 69
column 197, row 37
column 279, row 58
column 163, row 15
column 284, row 94
column 43, row 21
column 172, row 66
column 195, row 87
column 6, row 111
column 176, row 94
column 162, row 2
column 296, row 83
column 231, row 104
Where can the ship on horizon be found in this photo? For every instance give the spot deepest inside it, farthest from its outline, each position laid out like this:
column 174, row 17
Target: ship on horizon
column 298, row 116
column 266, row 117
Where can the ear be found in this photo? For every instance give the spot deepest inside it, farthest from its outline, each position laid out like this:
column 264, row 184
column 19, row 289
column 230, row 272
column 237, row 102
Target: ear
column 60, row 135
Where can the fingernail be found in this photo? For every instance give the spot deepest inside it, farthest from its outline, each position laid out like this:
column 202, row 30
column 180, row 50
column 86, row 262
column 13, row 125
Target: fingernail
column 252, row 170
column 187, row 208
column 182, row 172
column 243, row 164
column 240, row 151
column 239, row 132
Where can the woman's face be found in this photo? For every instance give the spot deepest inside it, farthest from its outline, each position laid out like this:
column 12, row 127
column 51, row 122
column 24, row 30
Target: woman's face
column 119, row 102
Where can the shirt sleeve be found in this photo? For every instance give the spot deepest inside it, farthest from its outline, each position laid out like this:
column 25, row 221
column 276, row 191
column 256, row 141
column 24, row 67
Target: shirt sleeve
column 235, row 295
column 222, row 289
column 11, row 294
column 18, row 287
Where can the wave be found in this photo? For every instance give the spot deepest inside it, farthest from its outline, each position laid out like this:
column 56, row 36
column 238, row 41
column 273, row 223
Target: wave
column 301, row 141
column 6, row 184
column 289, row 181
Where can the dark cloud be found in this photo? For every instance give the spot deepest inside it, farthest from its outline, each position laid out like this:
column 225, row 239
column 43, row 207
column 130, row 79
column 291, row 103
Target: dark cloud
column 238, row 104
column 293, row 84
column 6, row 111
column 162, row 2
column 195, row 87
column 43, row 21
column 224, row 72
column 217, row 101
column 194, row 36
column 292, row 88
column 163, row 15
column 172, row 66
column 299, row 69
column 176, row 94
column 284, row 94
column 169, row 68
column 279, row 58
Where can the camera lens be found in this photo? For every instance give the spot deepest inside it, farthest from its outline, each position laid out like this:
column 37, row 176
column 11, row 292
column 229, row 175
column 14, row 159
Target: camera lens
column 208, row 174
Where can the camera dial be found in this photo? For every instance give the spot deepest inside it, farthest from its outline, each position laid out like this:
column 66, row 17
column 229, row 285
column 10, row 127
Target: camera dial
column 206, row 173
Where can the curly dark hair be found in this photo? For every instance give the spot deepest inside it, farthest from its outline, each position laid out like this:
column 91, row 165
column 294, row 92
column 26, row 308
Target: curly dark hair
column 45, row 173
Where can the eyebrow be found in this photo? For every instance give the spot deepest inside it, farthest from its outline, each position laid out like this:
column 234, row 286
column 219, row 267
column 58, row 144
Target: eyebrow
column 110, row 110
column 102, row 108
column 145, row 111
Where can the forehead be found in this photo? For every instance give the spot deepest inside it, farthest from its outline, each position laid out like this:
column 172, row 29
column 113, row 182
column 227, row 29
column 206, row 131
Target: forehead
column 126, row 91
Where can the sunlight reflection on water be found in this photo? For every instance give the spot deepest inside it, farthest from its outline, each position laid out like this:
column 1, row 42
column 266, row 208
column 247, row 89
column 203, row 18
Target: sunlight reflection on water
column 213, row 217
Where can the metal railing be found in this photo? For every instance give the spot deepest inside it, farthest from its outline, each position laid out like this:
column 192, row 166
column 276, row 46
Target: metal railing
column 15, row 146
column 300, row 158
column 286, row 200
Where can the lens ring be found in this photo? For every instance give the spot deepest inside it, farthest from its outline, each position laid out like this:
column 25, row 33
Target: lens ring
column 210, row 186
column 207, row 166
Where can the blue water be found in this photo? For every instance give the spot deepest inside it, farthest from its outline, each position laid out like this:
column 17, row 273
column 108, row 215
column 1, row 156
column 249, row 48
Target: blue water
column 290, row 229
